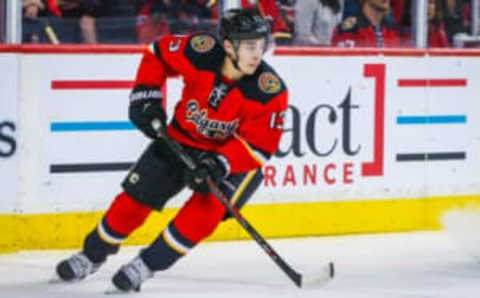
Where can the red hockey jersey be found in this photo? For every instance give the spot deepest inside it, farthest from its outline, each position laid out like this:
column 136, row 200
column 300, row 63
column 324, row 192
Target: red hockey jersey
column 242, row 120
column 357, row 31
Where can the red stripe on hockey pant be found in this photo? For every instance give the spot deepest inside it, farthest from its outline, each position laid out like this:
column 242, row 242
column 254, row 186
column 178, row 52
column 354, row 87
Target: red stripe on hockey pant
column 199, row 217
column 125, row 214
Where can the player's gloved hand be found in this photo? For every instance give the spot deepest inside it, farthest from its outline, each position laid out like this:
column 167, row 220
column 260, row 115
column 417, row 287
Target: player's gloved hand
column 210, row 164
column 144, row 112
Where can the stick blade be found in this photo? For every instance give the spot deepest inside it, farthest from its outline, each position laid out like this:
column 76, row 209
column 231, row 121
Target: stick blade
column 319, row 279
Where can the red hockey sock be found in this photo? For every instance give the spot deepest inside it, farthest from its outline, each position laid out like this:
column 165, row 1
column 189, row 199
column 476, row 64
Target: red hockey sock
column 199, row 217
column 125, row 214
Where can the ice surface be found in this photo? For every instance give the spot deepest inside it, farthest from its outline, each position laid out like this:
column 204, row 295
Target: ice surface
column 425, row 264
column 463, row 225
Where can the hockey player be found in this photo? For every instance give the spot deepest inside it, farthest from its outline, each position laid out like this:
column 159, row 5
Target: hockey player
column 229, row 120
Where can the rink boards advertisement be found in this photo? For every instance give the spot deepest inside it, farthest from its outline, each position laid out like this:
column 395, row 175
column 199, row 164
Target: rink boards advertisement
column 9, row 166
column 372, row 142
column 8, row 133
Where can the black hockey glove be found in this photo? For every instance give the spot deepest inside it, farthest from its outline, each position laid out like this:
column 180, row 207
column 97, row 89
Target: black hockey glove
column 210, row 164
column 145, row 107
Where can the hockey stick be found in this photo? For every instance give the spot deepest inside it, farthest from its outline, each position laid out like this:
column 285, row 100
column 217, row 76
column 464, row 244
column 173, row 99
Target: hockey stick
column 326, row 274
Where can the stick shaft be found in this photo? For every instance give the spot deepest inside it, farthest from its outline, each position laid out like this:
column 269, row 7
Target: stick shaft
column 267, row 248
column 287, row 269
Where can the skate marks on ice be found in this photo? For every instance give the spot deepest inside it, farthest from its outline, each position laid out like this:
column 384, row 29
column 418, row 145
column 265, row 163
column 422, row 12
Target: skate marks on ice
column 390, row 265
column 463, row 226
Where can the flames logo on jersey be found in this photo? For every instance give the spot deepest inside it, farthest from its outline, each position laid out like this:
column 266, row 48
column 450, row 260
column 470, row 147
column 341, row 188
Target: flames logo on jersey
column 269, row 83
column 349, row 23
column 210, row 128
column 202, row 43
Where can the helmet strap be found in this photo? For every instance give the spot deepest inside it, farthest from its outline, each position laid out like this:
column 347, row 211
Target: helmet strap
column 235, row 44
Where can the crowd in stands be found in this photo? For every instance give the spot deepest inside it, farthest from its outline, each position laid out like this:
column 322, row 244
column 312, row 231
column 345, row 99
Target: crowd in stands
column 343, row 23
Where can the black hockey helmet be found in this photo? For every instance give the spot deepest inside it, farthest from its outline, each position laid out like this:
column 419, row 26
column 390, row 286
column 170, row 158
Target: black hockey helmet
column 240, row 24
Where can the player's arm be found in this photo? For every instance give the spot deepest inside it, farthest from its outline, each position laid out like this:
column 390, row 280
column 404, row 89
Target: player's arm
column 146, row 100
column 258, row 136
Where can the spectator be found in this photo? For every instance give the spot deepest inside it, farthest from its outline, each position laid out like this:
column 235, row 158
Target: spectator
column 370, row 28
column 35, row 25
column 466, row 13
column 452, row 11
column 151, row 20
column 437, row 37
column 85, row 11
column 398, row 10
column 159, row 17
column 36, row 8
column 286, row 8
column 190, row 16
column 31, row 8
column 282, row 32
column 315, row 21
column 351, row 8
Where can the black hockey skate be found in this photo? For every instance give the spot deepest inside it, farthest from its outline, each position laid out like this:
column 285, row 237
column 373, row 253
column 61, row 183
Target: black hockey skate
column 131, row 276
column 76, row 267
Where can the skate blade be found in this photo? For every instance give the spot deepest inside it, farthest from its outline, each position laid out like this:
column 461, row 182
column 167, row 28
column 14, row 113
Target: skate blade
column 57, row 280
column 115, row 291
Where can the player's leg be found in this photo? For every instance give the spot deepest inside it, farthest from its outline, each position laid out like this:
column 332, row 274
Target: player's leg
column 156, row 177
column 105, row 239
column 195, row 221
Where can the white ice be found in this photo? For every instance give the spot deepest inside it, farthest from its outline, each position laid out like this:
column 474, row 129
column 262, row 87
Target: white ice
column 421, row 264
